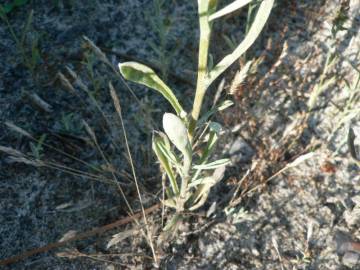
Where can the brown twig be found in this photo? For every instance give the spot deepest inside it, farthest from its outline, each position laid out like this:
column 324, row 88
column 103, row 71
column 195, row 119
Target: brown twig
column 80, row 236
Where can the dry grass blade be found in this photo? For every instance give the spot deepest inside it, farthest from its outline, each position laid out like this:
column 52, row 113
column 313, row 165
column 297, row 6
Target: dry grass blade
column 102, row 57
column 11, row 151
column 18, row 130
column 79, row 83
column 69, row 170
column 19, row 157
column 27, row 161
column 28, row 135
column 117, row 238
column 293, row 164
column 93, row 137
column 66, row 83
column 40, row 103
column 276, row 246
column 118, row 110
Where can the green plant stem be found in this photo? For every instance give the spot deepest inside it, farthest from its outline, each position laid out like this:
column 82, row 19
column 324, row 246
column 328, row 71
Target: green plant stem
column 12, row 33
column 201, row 87
column 184, row 184
column 249, row 20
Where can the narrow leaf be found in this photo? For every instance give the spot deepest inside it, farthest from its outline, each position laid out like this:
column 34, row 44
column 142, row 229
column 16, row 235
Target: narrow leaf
column 257, row 26
column 170, row 203
column 300, row 159
column 203, row 189
column 229, row 42
column 206, row 181
column 222, row 106
column 156, row 144
column 318, row 90
column 169, row 154
column 215, row 129
column 201, row 199
column 144, row 75
column 121, row 236
column 172, row 222
column 237, row 4
column 213, row 165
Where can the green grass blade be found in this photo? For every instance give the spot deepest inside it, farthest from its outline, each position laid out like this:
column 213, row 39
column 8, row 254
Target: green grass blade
column 257, row 26
column 222, row 106
column 144, row 75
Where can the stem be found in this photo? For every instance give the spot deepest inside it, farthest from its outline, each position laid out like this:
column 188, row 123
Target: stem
column 185, row 179
column 201, row 86
column 249, row 21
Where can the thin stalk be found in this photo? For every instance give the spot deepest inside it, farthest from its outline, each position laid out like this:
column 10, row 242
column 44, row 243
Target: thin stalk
column 201, row 86
column 94, row 139
column 118, row 110
column 19, row 45
column 80, row 174
column 249, row 20
column 185, row 180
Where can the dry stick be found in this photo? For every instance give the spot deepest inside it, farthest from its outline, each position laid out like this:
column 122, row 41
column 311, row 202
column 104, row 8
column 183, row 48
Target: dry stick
column 163, row 183
column 118, row 110
column 80, row 236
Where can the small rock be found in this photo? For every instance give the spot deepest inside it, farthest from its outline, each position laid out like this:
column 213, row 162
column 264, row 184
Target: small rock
column 350, row 259
column 110, row 267
column 255, row 252
column 342, row 242
column 241, row 151
column 352, row 217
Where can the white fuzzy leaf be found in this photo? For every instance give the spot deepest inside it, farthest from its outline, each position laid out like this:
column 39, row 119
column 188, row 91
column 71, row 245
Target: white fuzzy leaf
column 176, row 130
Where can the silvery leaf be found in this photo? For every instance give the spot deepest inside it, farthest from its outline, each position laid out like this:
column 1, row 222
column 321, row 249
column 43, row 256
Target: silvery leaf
column 144, row 75
column 177, row 132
